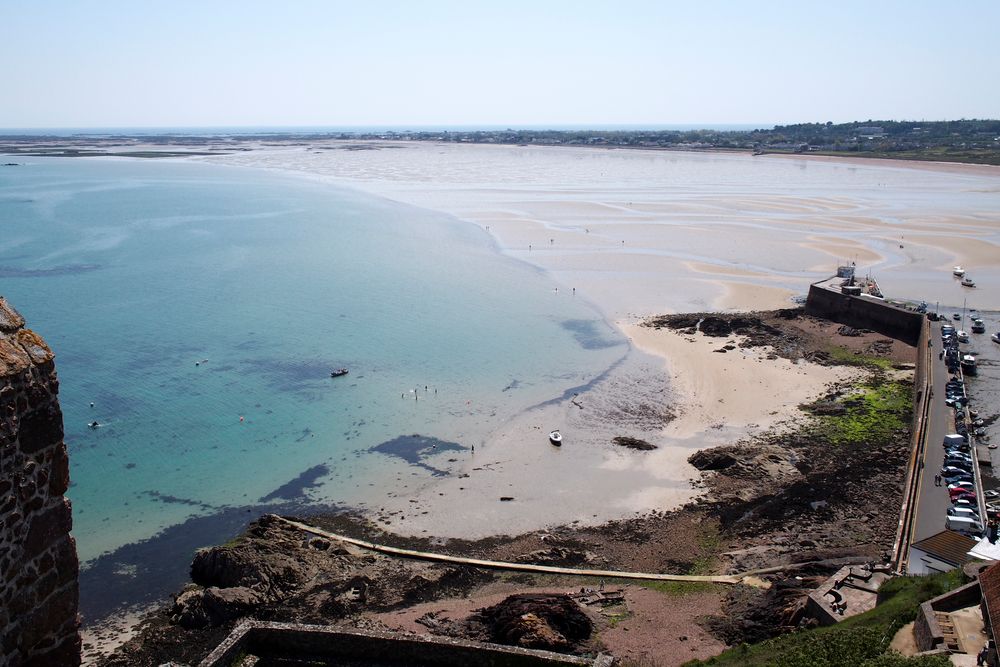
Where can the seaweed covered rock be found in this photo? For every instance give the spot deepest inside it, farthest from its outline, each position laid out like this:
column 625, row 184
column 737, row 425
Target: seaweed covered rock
column 712, row 459
column 633, row 443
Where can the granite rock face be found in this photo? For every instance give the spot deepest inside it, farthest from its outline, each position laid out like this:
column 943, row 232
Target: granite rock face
column 38, row 563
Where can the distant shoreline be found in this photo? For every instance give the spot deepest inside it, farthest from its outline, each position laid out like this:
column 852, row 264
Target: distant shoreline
column 152, row 153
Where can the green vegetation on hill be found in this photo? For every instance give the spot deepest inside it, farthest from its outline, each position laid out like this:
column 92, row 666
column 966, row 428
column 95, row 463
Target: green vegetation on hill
column 859, row 641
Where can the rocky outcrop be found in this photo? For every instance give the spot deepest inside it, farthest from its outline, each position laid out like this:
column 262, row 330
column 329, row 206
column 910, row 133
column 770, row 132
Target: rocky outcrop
column 551, row 622
column 276, row 572
column 39, row 592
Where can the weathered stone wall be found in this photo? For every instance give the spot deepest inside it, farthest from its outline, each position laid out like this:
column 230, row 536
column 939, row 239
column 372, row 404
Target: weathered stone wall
column 865, row 313
column 38, row 563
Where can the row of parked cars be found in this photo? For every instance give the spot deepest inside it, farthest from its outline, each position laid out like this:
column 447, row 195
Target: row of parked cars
column 958, row 470
column 957, row 474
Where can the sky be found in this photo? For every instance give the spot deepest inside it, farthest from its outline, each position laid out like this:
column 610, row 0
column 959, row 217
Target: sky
column 515, row 63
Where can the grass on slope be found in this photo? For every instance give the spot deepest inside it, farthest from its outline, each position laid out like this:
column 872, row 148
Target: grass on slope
column 859, row 641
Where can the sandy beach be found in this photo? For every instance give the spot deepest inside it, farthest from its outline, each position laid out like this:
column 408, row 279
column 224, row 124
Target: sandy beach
column 640, row 233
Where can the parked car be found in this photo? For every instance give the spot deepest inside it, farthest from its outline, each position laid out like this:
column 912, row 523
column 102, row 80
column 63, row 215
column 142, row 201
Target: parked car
column 960, row 485
column 968, row 495
column 963, row 511
column 963, row 502
column 958, row 453
column 992, row 493
column 948, row 471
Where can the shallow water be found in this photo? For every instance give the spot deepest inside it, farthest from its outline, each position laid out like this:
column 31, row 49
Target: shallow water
column 201, row 309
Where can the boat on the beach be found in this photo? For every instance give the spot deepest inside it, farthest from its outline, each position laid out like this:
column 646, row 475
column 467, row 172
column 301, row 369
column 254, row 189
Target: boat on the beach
column 337, row 373
column 968, row 282
column 969, row 364
column 958, row 271
column 995, row 337
column 555, row 437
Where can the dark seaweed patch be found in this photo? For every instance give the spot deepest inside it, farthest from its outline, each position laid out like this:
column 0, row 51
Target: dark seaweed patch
column 415, row 448
column 68, row 270
column 305, row 378
column 296, row 489
column 590, row 334
column 174, row 500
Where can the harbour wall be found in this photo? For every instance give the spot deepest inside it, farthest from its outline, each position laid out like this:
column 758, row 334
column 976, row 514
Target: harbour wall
column 39, row 590
column 865, row 313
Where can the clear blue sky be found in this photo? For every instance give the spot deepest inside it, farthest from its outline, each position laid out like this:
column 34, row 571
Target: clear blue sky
column 117, row 63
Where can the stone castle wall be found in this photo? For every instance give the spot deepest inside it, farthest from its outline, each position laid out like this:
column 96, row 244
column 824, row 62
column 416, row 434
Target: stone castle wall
column 38, row 562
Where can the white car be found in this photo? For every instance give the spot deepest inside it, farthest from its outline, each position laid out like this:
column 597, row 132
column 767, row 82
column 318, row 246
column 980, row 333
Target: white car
column 963, row 511
column 962, row 502
column 969, row 486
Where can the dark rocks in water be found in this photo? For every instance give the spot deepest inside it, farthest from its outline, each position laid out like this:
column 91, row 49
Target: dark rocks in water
column 633, row 443
column 552, row 622
column 711, row 459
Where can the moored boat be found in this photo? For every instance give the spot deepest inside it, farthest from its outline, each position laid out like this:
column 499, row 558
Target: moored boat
column 968, row 282
column 958, row 271
column 337, row 373
column 555, row 437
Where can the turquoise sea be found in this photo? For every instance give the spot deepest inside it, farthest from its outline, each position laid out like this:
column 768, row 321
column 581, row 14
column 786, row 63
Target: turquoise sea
column 201, row 308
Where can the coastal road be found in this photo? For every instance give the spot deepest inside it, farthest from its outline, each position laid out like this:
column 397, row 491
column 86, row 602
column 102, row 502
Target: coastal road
column 932, row 501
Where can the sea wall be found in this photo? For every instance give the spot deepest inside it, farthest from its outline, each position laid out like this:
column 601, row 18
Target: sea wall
column 865, row 313
column 292, row 642
column 38, row 563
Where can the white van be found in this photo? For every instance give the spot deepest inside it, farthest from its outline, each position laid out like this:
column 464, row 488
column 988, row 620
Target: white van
column 963, row 524
column 954, row 440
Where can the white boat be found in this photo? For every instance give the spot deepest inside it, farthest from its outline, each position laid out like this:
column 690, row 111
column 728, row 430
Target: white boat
column 555, row 437
column 968, row 282
column 958, row 271
column 969, row 364
column 995, row 337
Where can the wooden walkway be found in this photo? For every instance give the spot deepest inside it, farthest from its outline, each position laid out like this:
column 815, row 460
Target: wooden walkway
column 730, row 579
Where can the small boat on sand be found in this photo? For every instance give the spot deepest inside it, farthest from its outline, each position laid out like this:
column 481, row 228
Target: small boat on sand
column 555, row 437
column 968, row 282
column 958, row 271
column 337, row 373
